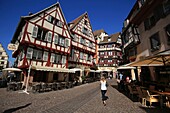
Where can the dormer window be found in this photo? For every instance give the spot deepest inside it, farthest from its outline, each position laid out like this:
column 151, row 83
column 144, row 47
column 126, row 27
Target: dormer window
column 58, row 23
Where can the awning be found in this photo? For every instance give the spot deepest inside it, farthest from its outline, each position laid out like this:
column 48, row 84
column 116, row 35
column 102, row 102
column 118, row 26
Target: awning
column 161, row 59
column 76, row 69
column 126, row 67
column 52, row 69
column 11, row 69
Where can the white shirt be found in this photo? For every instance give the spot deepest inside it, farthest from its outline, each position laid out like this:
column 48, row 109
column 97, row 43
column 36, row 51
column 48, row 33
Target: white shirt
column 103, row 85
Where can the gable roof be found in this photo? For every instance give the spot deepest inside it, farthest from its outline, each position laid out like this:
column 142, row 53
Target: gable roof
column 98, row 32
column 113, row 38
column 77, row 20
column 24, row 18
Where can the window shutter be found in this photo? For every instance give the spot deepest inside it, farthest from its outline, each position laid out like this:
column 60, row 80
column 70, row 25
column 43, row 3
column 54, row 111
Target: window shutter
column 35, row 31
column 49, row 36
column 63, row 59
column 45, row 56
column 52, row 57
column 67, row 43
column 56, row 38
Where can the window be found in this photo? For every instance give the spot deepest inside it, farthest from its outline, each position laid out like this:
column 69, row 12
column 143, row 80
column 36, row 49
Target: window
column 0, row 53
column 45, row 56
column 85, row 22
column 35, row 31
column 49, row 18
column 75, row 37
column 81, row 55
column 167, row 30
column 155, row 42
column 109, row 60
column 29, row 53
column 49, row 37
column 52, row 59
column 61, row 41
column 166, row 7
column 63, row 60
column 58, row 23
column 2, row 58
column 56, row 38
column 85, row 31
column 37, row 54
column 110, row 46
column 2, row 62
column 41, row 33
column 58, row 58
column 101, row 53
column 89, row 57
column 110, row 53
column 149, row 22
column 90, row 44
column 82, row 40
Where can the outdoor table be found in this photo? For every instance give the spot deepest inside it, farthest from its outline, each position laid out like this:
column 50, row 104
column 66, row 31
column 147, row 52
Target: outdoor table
column 166, row 93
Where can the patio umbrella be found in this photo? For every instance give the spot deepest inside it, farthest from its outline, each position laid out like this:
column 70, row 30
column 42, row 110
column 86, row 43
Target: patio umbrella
column 161, row 59
column 12, row 69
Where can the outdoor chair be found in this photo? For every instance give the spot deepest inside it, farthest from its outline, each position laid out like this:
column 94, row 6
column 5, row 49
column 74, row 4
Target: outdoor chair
column 43, row 87
column 19, row 86
column 151, row 98
column 54, row 86
column 168, row 101
column 132, row 91
column 141, row 95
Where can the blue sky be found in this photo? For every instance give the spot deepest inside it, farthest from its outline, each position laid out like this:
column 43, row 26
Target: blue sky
column 104, row 14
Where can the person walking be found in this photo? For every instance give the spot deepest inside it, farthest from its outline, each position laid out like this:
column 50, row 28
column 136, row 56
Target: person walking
column 104, row 85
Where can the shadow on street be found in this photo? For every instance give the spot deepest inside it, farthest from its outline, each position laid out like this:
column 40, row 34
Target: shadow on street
column 15, row 109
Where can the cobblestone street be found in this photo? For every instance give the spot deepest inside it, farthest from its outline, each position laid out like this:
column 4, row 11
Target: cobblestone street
column 80, row 99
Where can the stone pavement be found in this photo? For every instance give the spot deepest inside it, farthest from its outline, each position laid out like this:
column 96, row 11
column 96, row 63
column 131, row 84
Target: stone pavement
column 80, row 99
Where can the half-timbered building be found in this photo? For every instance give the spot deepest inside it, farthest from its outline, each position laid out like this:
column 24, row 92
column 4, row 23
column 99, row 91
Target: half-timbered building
column 43, row 41
column 110, row 53
column 83, row 43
